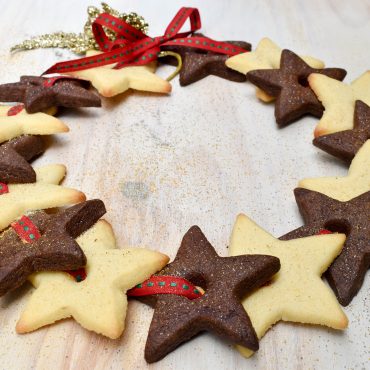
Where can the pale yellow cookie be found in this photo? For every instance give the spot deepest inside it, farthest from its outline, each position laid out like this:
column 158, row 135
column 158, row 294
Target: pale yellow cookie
column 110, row 82
column 25, row 123
column 296, row 293
column 99, row 302
column 355, row 183
column 339, row 99
column 266, row 56
column 4, row 108
column 44, row 193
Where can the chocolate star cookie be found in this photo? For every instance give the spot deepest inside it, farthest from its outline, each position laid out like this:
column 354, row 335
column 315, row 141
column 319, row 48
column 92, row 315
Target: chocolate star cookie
column 348, row 270
column 225, row 280
column 39, row 93
column 39, row 242
column 266, row 56
column 289, row 85
column 345, row 144
column 14, row 157
column 198, row 63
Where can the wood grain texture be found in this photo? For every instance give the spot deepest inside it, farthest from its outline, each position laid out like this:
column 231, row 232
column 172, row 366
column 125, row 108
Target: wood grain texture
column 200, row 156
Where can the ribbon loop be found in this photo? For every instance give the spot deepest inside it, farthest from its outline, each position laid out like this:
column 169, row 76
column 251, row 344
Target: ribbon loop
column 179, row 20
column 123, row 30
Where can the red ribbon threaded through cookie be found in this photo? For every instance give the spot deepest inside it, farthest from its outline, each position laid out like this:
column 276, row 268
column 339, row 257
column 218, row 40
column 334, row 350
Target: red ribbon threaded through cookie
column 165, row 285
column 29, row 232
column 3, row 188
column 133, row 47
column 26, row 229
column 14, row 110
column 324, row 232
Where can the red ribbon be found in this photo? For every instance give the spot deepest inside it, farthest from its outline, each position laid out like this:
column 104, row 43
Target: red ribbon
column 324, row 232
column 165, row 285
column 15, row 109
column 3, row 188
column 26, row 229
column 132, row 47
column 79, row 274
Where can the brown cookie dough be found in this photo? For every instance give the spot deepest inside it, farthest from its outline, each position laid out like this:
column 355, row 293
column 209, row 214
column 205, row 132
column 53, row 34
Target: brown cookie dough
column 347, row 272
column 198, row 64
column 345, row 144
column 56, row 249
column 225, row 281
column 14, row 157
column 289, row 85
column 37, row 95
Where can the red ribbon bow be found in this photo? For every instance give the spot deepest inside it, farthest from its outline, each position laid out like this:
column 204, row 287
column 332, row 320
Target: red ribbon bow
column 132, row 47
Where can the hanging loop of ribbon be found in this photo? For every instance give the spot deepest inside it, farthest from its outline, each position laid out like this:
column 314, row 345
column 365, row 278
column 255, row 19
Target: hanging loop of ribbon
column 133, row 48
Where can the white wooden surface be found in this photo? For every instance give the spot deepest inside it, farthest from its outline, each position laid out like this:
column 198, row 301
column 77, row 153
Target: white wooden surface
column 199, row 156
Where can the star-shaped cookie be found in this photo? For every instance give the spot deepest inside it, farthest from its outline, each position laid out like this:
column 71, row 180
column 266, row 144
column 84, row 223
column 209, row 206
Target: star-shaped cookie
column 37, row 95
column 54, row 247
column 347, row 272
column 266, row 56
column 345, row 188
column 110, row 82
column 198, row 64
column 225, row 280
column 296, row 293
column 339, row 100
column 289, row 85
column 14, row 157
column 97, row 303
column 345, row 144
column 24, row 123
column 44, row 193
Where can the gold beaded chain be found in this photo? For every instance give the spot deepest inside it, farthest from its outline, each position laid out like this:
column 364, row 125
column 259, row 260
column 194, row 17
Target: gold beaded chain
column 79, row 43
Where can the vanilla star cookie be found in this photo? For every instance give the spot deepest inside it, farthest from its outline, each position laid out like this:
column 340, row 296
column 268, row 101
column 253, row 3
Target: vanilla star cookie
column 110, row 82
column 296, row 293
column 24, row 123
column 99, row 302
column 339, row 101
column 345, row 188
column 42, row 194
column 266, row 56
